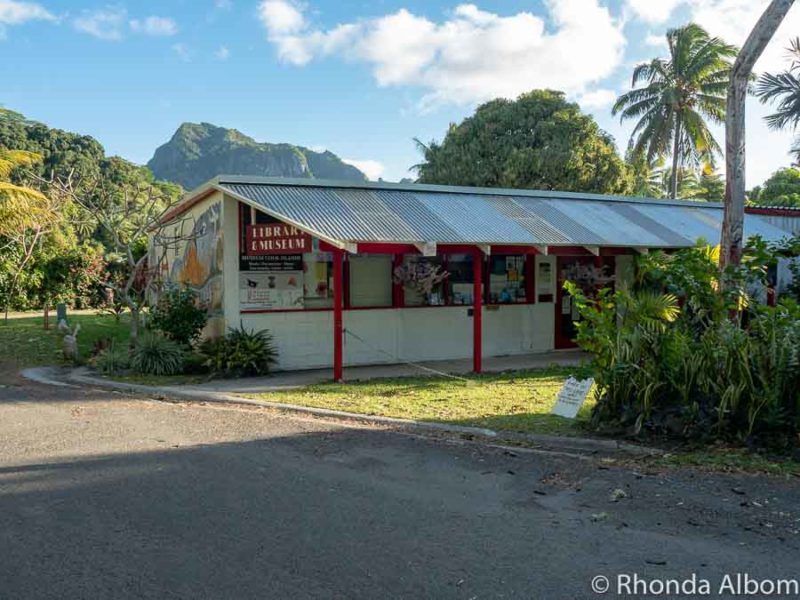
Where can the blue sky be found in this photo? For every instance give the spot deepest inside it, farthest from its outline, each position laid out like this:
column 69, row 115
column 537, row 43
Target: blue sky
column 359, row 78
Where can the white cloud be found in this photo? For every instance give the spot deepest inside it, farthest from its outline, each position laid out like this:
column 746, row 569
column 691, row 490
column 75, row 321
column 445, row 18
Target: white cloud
column 223, row 4
column 732, row 20
column 155, row 26
column 182, row 51
column 281, row 17
column 17, row 13
column 656, row 41
column 371, row 168
column 601, row 98
column 222, row 53
column 105, row 23
column 472, row 56
column 653, row 11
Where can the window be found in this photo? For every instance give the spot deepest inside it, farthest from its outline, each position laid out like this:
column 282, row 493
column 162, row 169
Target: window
column 370, row 280
column 506, row 279
column 318, row 280
column 416, row 294
column 459, row 283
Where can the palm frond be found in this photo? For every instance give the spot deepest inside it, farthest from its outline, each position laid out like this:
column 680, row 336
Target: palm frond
column 12, row 159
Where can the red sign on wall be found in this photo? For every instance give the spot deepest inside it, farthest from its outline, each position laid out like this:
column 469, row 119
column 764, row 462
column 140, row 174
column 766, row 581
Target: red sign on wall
column 276, row 238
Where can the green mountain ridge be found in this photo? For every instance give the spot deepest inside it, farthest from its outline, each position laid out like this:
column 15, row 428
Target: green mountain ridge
column 199, row 151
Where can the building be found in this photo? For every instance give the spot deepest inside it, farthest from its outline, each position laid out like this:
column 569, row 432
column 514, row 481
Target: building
column 349, row 273
column 783, row 217
column 788, row 219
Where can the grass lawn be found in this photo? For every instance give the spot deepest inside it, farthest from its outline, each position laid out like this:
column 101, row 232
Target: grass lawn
column 25, row 343
column 519, row 401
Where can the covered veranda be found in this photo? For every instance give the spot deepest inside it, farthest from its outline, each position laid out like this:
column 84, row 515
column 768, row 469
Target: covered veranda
column 571, row 234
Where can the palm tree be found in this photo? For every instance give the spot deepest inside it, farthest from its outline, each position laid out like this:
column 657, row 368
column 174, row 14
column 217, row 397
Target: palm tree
column 19, row 205
column 677, row 95
column 785, row 89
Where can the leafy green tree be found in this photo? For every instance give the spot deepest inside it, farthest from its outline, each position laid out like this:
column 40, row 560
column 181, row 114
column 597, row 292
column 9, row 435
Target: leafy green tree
column 784, row 88
column 781, row 189
column 705, row 185
column 677, row 96
column 646, row 177
column 28, row 219
column 538, row 141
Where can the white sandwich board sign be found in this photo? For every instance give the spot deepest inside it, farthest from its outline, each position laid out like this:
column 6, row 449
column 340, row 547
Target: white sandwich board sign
column 572, row 396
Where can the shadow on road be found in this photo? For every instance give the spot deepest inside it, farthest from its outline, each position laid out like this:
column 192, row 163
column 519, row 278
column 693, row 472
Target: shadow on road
column 353, row 514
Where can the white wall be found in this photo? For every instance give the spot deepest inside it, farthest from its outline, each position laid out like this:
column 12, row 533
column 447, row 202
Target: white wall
column 304, row 339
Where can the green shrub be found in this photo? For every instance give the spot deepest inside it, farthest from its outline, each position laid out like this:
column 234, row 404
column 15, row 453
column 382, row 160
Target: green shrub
column 195, row 364
column 179, row 315
column 113, row 359
column 677, row 363
column 239, row 353
column 155, row 354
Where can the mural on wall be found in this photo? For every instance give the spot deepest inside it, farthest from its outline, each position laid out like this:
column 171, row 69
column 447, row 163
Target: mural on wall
column 199, row 265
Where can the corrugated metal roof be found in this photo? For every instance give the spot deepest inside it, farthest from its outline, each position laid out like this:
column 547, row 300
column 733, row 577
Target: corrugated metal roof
column 347, row 212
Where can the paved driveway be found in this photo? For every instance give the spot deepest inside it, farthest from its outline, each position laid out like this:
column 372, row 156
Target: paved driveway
column 108, row 496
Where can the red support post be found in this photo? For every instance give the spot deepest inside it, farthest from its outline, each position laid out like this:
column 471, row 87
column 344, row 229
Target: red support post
column 477, row 309
column 338, row 305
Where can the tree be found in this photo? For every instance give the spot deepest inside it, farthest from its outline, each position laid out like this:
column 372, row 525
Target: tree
column 27, row 217
column 127, row 210
column 705, row 185
column 785, row 89
column 678, row 95
column 538, row 141
column 781, row 189
column 732, row 236
column 646, row 177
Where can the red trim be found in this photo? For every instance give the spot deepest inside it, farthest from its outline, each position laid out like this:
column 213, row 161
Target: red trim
column 326, row 247
column 338, row 327
column 346, row 283
column 616, row 251
column 457, row 249
column 477, row 345
column 265, row 311
column 512, row 249
column 568, row 251
column 259, row 311
column 381, row 248
column 776, row 211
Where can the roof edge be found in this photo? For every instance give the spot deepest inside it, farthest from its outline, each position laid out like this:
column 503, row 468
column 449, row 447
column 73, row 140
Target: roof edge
column 446, row 189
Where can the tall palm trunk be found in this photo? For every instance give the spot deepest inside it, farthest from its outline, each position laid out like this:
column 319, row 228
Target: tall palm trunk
column 731, row 240
column 676, row 143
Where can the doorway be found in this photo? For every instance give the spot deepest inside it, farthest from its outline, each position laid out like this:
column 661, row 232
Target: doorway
column 590, row 274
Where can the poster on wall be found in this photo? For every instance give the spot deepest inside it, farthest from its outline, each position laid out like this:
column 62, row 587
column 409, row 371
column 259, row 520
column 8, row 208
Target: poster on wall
column 544, row 278
column 271, row 290
column 276, row 263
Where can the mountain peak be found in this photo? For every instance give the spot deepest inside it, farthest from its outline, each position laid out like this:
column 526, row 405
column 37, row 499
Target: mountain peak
column 199, row 151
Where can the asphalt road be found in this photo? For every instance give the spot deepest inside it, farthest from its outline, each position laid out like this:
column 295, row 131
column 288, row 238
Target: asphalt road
column 107, row 496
